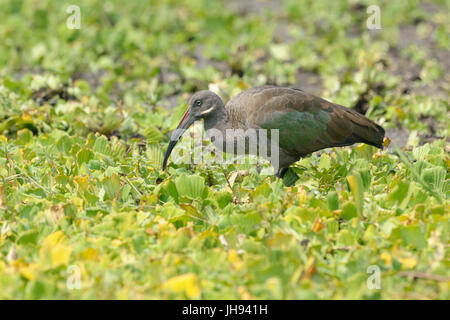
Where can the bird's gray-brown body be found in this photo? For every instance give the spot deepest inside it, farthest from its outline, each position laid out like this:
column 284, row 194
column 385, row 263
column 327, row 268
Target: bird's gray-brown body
column 305, row 123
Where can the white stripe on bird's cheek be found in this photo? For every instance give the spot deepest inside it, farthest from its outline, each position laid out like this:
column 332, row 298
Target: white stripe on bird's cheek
column 207, row 111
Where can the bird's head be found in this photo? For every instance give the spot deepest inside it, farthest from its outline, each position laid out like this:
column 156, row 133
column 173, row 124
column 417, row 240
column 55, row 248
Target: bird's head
column 202, row 105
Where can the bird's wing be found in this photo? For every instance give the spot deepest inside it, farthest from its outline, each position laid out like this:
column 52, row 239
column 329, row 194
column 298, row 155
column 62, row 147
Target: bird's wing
column 306, row 123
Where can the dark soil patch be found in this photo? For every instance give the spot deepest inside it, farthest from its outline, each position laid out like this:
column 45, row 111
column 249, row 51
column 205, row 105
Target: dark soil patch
column 398, row 136
column 410, row 71
column 51, row 96
column 362, row 104
column 202, row 62
column 93, row 78
column 246, row 7
column 309, row 81
column 171, row 102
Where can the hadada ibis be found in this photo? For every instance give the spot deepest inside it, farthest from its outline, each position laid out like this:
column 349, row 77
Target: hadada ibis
column 305, row 123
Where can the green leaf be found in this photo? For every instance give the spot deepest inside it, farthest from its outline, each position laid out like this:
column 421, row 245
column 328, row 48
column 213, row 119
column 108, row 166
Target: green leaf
column 413, row 235
column 356, row 186
column 192, row 187
column 417, row 176
column 155, row 155
column 419, row 153
column 28, row 237
column 333, row 201
column 325, row 162
column 349, row 211
column 401, row 194
column 23, row 137
column 101, row 146
column 153, row 135
column 345, row 239
column 112, row 186
column 223, row 198
column 435, row 178
column 332, row 227
column 64, row 144
column 84, row 156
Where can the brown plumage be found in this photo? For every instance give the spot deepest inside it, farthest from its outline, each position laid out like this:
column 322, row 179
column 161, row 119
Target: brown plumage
column 306, row 123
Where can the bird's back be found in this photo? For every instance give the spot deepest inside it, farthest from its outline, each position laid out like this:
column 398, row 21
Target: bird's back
column 306, row 123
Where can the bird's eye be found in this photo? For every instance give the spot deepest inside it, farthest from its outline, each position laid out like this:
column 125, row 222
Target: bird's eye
column 197, row 103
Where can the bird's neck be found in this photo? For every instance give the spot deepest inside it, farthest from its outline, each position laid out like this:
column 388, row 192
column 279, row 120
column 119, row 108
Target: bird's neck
column 217, row 119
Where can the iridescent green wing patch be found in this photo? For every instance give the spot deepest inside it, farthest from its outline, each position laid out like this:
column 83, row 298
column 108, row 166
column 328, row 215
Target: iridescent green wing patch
column 298, row 129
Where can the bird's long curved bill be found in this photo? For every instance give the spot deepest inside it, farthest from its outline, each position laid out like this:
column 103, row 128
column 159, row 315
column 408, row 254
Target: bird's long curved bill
column 184, row 124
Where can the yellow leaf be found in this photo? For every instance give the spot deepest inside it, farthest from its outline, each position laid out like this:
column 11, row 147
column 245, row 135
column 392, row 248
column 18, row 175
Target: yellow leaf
column 275, row 287
column 296, row 275
column 26, row 117
column 2, row 198
column 89, row 254
column 61, row 255
column 185, row 283
column 310, row 268
column 54, row 250
column 408, row 263
column 301, row 195
column 242, row 85
column 235, row 260
column 54, row 239
column 281, row 240
column 116, row 242
column 318, row 225
column 2, row 266
column 82, row 182
column 30, row 271
column 245, row 295
column 386, row 257
column 399, row 113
